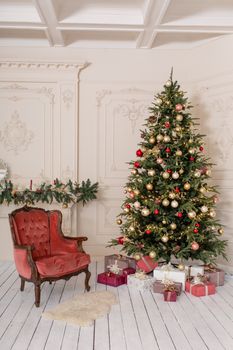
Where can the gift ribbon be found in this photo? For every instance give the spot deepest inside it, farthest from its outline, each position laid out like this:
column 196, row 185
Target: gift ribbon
column 203, row 284
column 146, row 263
column 169, row 294
column 141, row 275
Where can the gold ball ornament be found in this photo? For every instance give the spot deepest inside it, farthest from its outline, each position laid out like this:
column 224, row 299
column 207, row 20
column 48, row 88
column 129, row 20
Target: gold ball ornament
column 131, row 228
column 164, row 239
column 173, row 226
column 187, row 186
column 134, row 171
column 191, row 214
column 126, row 210
column 194, row 246
column 129, row 189
column 158, row 101
column 151, row 172
column 202, row 190
column 165, row 202
column 179, row 117
column 164, row 222
column 208, row 172
column 212, row 213
column 181, row 267
column 166, row 138
column 178, row 128
column 175, row 175
column 152, row 140
column 159, row 137
column 204, row 209
column 119, row 221
column 221, row 231
column 152, row 254
column 136, row 192
column 64, row 205
column 174, row 204
column 137, row 256
column 178, row 153
column 145, row 212
column 191, row 151
column 197, row 173
column 181, row 171
column 149, row 187
column 159, row 160
column 190, row 141
column 171, row 195
column 166, row 175
column 168, row 83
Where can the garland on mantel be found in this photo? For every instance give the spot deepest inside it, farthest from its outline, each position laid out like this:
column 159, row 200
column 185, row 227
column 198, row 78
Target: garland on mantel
column 64, row 193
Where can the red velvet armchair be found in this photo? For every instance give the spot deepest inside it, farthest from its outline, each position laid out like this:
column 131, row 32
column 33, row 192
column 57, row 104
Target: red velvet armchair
column 41, row 251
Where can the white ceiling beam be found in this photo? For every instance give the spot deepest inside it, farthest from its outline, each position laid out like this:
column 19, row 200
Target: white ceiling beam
column 99, row 26
column 194, row 29
column 22, row 25
column 48, row 15
column 156, row 10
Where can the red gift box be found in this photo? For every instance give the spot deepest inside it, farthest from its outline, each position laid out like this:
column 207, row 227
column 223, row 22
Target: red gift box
column 201, row 289
column 111, row 279
column 169, row 295
column 128, row 271
column 122, row 261
column 147, row 264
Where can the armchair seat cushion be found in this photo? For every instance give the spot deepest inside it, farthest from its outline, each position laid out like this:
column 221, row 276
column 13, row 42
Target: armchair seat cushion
column 62, row 264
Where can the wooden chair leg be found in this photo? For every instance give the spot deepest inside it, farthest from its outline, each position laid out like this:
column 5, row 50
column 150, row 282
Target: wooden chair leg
column 37, row 294
column 22, row 284
column 88, row 275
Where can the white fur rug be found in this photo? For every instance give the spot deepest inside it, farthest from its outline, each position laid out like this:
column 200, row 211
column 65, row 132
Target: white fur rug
column 83, row 309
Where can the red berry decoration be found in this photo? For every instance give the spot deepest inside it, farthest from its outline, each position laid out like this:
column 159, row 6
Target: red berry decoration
column 168, row 150
column 201, row 148
column 120, row 240
column 167, row 125
column 177, row 190
column 195, row 230
column 156, row 211
column 139, row 153
column 197, row 224
column 148, row 232
column 169, row 171
column 137, row 165
column 179, row 107
column 128, row 205
column 191, row 159
column 179, row 214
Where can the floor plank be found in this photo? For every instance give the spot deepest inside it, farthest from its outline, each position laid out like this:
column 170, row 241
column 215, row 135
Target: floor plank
column 140, row 321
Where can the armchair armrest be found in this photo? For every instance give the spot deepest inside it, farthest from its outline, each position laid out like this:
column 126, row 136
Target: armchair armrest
column 24, row 261
column 78, row 240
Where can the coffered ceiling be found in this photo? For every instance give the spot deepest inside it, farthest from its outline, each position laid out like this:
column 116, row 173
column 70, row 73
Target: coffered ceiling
column 138, row 24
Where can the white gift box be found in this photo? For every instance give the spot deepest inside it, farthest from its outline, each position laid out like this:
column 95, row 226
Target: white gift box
column 141, row 284
column 168, row 272
column 195, row 269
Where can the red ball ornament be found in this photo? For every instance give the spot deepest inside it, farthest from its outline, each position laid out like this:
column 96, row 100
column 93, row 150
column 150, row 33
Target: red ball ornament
column 177, row 190
column 139, row 153
column 137, row 165
column 201, row 148
column 169, row 171
column 191, row 159
column 195, row 230
column 156, row 211
column 179, row 214
column 179, row 107
column 197, row 224
column 194, row 246
column 120, row 240
column 167, row 125
column 168, row 150
column 127, row 205
column 148, row 232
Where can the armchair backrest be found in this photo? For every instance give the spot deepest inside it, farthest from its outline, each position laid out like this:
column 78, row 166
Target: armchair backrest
column 30, row 226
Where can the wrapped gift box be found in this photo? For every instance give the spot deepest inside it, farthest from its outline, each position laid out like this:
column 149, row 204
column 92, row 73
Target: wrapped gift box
column 128, row 271
column 111, row 279
column 147, row 264
column 201, row 289
column 122, row 261
column 195, row 270
column 159, row 286
column 168, row 272
column 169, row 295
column 215, row 275
column 141, row 283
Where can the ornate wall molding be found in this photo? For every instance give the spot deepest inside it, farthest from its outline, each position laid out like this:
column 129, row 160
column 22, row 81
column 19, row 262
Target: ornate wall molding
column 43, row 65
column 15, row 135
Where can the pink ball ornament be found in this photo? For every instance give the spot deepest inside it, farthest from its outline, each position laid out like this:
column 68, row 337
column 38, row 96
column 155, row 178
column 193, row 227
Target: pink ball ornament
column 179, row 107
column 194, row 246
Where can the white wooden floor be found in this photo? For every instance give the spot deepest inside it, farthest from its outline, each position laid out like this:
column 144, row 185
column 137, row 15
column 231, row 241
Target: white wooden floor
column 139, row 321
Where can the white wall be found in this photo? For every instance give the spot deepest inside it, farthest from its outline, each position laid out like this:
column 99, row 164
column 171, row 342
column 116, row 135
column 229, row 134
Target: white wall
column 115, row 91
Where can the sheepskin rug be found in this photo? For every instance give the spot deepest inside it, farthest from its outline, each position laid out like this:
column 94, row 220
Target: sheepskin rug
column 83, row 309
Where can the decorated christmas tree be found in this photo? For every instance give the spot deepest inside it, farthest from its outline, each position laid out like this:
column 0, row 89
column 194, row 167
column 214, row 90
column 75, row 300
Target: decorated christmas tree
column 169, row 210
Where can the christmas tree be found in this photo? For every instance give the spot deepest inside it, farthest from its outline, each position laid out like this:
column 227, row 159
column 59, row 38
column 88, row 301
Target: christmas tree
column 169, row 210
